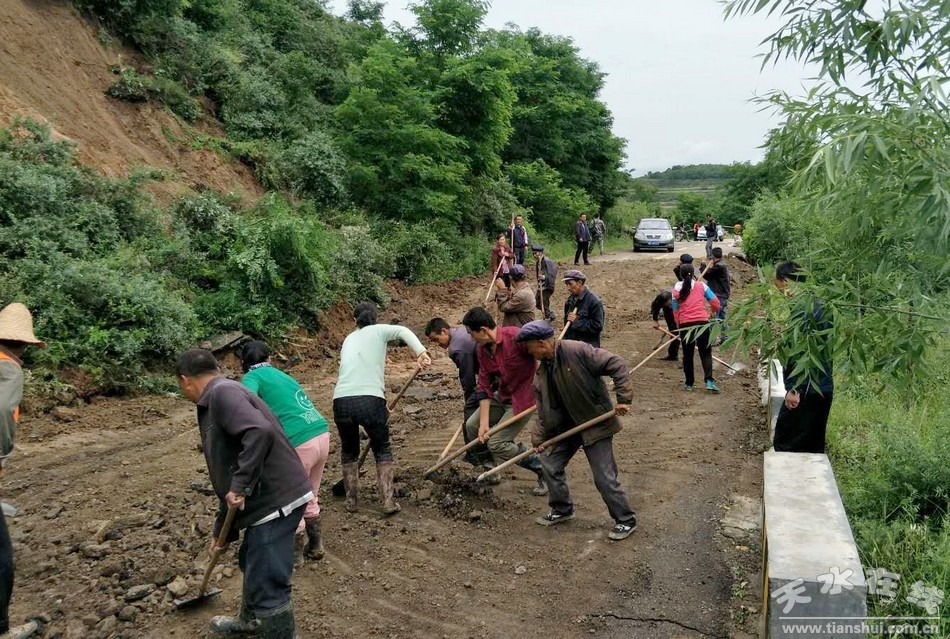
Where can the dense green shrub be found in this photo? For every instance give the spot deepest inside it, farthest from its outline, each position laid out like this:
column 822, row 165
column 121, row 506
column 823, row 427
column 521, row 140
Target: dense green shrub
column 65, row 234
column 892, row 463
column 311, row 168
column 431, row 252
column 554, row 207
column 779, row 229
column 134, row 87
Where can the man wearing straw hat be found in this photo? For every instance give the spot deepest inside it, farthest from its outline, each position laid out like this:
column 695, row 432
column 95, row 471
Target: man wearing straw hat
column 16, row 334
column 569, row 391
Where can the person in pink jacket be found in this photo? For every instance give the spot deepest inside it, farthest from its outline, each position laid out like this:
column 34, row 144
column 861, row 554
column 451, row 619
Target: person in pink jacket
column 692, row 317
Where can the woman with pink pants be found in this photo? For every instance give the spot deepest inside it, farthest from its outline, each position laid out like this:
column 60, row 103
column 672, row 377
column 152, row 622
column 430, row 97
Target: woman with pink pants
column 307, row 430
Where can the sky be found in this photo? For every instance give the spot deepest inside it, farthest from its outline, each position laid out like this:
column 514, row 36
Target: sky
column 679, row 77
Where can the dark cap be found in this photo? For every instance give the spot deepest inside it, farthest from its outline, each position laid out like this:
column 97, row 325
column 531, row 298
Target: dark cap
column 538, row 248
column 536, row 330
column 686, row 258
column 517, row 271
column 574, row 274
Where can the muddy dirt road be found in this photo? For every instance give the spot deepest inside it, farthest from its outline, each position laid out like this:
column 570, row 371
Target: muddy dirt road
column 116, row 511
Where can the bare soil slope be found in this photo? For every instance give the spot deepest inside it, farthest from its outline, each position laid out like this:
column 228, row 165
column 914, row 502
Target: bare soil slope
column 53, row 69
column 116, row 510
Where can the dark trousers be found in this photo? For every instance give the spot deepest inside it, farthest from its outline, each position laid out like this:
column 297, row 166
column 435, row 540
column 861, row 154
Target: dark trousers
column 349, row 413
column 600, row 456
column 696, row 338
column 266, row 558
column 6, row 574
column 519, row 255
column 582, row 248
column 673, row 351
column 548, row 313
column 802, row 429
column 479, row 455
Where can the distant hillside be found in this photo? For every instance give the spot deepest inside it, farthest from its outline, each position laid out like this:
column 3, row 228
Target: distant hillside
column 681, row 172
column 702, row 179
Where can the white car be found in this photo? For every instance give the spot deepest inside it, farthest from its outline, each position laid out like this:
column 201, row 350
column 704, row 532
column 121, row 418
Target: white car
column 720, row 233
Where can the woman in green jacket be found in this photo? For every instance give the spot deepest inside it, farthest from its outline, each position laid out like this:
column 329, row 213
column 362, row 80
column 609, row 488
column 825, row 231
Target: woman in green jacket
column 307, row 430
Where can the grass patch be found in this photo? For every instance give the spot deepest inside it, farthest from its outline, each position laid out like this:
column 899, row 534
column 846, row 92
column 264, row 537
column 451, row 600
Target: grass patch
column 892, row 461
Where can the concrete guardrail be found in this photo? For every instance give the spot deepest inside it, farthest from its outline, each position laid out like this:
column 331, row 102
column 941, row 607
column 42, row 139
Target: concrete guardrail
column 813, row 583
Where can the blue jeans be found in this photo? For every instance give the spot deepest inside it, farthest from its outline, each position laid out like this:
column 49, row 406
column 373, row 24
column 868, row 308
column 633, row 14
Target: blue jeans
column 721, row 316
column 267, row 560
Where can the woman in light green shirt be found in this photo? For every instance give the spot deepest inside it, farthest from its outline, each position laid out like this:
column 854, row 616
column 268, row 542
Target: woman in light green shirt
column 307, row 430
column 359, row 399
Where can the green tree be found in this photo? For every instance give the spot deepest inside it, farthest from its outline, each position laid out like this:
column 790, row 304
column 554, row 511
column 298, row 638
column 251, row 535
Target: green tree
column 402, row 166
column 475, row 102
column 558, row 117
column 553, row 206
column 873, row 164
column 449, row 28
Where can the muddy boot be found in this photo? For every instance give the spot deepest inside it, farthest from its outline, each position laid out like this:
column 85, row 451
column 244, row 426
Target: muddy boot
column 533, row 463
column 278, row 626
column 314, row 549
column 300, row 542
column 244, row 624
column 351, row 483
column 384, row 479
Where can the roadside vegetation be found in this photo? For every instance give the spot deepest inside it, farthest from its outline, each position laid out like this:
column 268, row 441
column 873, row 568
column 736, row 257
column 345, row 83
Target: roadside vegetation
column 862, row 201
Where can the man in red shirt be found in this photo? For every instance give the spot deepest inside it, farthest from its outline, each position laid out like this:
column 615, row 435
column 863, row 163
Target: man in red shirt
column 505, row 376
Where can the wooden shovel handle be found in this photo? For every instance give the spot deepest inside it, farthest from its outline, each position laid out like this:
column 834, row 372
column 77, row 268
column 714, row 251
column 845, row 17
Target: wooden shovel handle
column 219, row 549
column 475, row 442
column 531, row 451
column 402, row 390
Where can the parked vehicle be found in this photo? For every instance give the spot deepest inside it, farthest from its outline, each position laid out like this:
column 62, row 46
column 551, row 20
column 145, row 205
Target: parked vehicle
column 720, row 233
column 653, row 233
column 701, row 234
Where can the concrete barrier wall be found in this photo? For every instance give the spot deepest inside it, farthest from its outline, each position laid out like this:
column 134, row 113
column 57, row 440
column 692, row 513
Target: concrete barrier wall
column 813, row 583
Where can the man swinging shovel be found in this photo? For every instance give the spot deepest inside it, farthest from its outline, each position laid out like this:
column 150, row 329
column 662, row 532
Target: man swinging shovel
column 570, row 392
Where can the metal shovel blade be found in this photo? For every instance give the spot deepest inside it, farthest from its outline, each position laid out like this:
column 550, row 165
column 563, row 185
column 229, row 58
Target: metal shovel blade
column 735, row 367
column 194, row 602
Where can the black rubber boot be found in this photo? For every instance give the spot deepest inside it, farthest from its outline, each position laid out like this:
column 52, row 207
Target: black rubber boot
column 278, row 626
column 244, row 624
column 314, row 549
column 384, row 480
column 351, row 483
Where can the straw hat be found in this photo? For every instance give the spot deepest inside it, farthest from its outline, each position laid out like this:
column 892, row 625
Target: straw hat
column 16, row 325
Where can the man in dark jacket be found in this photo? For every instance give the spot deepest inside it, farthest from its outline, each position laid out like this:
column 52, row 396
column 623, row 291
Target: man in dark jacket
column 717, row 276
column 685, row 258
column 803, row 417
column 545, row 271
column 583, row 310
column 252, row 467
column 569, row 391
column 664, row 302
column 712, row 232
column 519, row 239
column 582, row 237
